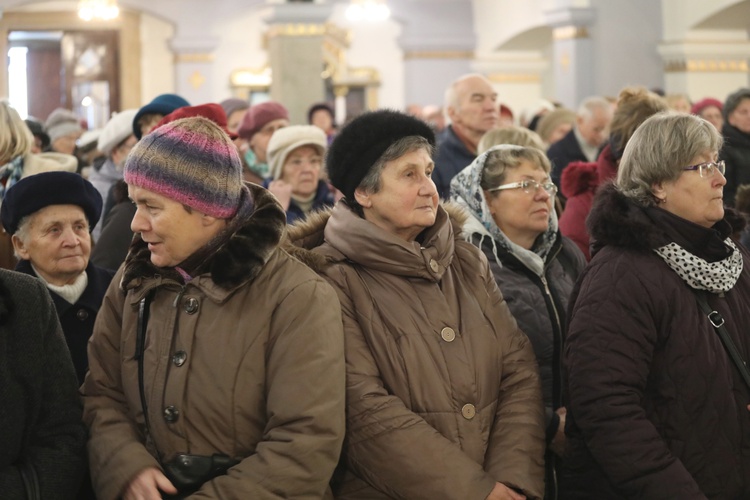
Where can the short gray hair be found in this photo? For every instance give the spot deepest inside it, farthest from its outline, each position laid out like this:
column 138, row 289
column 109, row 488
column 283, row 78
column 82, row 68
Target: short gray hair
column 658, row 151
column 371, row 182
column 502, row 158
column 22, row 233
column 591, row 104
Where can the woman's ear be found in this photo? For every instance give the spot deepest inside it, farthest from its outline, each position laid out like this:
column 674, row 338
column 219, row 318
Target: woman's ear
column 659, row 191
column 363, row 198
column 19, row 247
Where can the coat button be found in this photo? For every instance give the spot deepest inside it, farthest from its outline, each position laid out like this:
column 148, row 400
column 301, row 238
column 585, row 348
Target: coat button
column 468, row 411
column 82, row 314
column 179, row 358
column 171, row 414
column 448, row 334
column 191, row 305
column 434, row 265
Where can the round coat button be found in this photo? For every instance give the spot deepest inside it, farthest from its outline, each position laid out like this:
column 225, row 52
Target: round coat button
column 82, row 314
column 434, row 265
column 448, row 334
column 179, row 358
column 171, row 414
column 191, row 305
column 468, row 411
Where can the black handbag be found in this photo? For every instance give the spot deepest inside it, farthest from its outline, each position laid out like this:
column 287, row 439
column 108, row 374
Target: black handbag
column 186, row 472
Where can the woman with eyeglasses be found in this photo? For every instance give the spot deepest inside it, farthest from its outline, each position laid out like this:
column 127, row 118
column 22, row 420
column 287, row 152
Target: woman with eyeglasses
column 509, row 194
column 657, row 408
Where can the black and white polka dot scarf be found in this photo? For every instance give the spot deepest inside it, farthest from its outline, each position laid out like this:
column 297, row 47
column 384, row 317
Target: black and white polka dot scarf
column 715, row 277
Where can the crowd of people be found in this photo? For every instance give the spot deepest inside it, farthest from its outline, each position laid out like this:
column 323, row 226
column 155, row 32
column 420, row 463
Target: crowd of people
column 449, row 303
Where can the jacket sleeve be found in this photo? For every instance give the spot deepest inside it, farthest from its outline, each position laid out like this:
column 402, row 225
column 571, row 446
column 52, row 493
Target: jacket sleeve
column 116, row 446
column 389, row 446
column 305, row 403
column 56, row 443
column 515, row 454
column 611, row 341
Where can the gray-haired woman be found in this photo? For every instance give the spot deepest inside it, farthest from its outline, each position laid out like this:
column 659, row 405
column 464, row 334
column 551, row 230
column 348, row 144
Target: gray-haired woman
column 509, row 194
column 657, row 407
column 443, row 397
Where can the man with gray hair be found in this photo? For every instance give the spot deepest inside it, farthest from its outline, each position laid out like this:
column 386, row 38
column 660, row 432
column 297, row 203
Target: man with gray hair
column 583, row 142
column 471, row 106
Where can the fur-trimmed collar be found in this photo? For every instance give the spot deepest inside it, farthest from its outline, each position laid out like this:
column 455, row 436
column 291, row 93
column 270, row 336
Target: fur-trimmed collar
column 304, row 236
column 234, row 257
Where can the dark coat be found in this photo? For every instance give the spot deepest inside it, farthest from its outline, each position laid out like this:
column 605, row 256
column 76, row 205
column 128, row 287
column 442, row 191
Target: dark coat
column 657, row 409
column 452, row 157
column 736, row 154
column 77, row 319
column 40, row 411
column 323, row 199
column 112, row 246
column 563, row 152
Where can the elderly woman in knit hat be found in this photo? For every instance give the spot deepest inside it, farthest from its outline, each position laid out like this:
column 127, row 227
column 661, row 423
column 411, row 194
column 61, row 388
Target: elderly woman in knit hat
column 258, row 125
column 50, row 216
column 63, row 128
column 115, row 142
column 710, row 109
column 217, row 362
column 295, row 155
column 736, row 150
column 443, row 389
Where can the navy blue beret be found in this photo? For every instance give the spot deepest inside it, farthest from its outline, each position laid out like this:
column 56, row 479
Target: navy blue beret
column 35, row 192
column 161, row 105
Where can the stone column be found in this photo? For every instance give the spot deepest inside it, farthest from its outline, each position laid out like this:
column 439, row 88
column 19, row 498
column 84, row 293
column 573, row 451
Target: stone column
column 295, row 50
column 572, row 54
column 194, row 68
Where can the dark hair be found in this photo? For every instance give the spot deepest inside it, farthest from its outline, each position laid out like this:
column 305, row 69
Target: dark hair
column 321, row 106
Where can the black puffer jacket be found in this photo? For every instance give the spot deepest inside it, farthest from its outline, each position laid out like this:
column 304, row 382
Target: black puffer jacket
column 736, row 154
column 657, row 410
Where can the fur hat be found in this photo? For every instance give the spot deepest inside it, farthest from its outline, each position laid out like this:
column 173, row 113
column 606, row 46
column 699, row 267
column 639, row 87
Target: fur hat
column 35, row 192
column 161, row 105
column 704, row 103
column 117, row 129
column 62, row 122
column 212, row 111
column 233, row 104
column 37, row 130
column 191, row 161
column 259, row 115
column 287, row 139
column 733, row 100
column 364, row 140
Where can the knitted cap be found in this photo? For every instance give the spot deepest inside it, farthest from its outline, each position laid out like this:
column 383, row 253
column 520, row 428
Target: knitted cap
column 704, row 103
column 287, row 139
column 62, row 122
column 161, row 105
column 364, row 140
column 733, row 100
column 259, row 115
column 233, row 104
column 212, row 111
column 35, row 192
column 117, row 129
column 191, row 161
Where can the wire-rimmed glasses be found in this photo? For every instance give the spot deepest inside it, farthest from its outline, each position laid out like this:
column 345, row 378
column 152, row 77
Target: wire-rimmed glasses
column 530, row 186
column 708, row 168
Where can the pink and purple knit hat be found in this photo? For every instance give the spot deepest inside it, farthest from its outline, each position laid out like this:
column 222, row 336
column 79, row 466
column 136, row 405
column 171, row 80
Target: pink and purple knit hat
column 191, row 161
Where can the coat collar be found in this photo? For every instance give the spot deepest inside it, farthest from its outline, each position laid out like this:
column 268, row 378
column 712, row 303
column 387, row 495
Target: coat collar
column 236, row 256
column 339, row 234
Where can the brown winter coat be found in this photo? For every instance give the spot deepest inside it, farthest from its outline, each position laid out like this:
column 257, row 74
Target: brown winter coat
column 443, row 392
column 263, row 377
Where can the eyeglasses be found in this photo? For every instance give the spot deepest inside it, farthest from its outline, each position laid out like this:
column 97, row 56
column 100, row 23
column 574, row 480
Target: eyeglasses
column 529, row 186
column 708, row 168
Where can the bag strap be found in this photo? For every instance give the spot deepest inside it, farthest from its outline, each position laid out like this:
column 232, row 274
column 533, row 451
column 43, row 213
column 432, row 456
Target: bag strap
column 140, row 347
column 717, row 321
column 30, row 480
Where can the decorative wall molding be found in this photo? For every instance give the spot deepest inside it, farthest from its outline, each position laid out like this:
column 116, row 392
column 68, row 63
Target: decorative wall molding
column 570, row 33
column 706, row 66
column 439, row 54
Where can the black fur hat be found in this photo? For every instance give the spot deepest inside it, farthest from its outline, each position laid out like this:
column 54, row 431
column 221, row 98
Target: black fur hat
column 363, row 141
